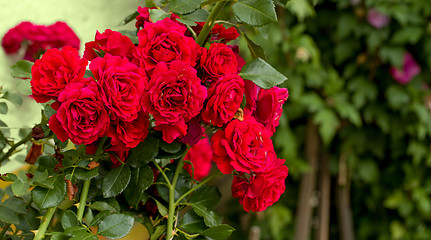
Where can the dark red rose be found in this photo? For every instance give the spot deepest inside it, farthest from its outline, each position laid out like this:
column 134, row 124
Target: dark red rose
column 224, row 99
column 219, row 61
column 130, row 133
column 121, row 85
column 118, row 154
column 194, row 132
column 174, row 96
column 164, row 41
column 261, row 190
column 111, row 42
column 218, row 33
column 144, row 17
column 244, row 146
column 269, row 107
column 251, row 91
column 81, row 117
column 241, row 62
column 39, row 38
column 200, row 155
column 54, row 71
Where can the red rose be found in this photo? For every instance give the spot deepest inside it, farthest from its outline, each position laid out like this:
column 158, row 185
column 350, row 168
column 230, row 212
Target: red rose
column 52, row 73
column 218, row 61
column 218, row 33
column 81, row 117
column 258, row 192
column 122, row 84
column 194, row 132
column 200, row 155
column 144, row 17
column 269, row 107
column 111, row 42
column 174, row 96
column 39, row 38
column 224, row 99
column 130, row 133
column 244, row 146
column 164, row 41
column 118, row 154
column 241, row 62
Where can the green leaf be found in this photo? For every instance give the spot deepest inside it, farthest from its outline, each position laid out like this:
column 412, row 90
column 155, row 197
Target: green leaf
column 161, row 208
column 115, row 226
column 129, row 18
column 393, row 55
column 209, row 2
column 99, row 217
column 16, row 204
column 84, row 174
column 21, row 69
column 48, row 110
column 312, row 101
column 183, row 184
column 368, row 171
column 301, row 8
column 347, row 110
column 141, row 179
column 116, row 181
column 59, row 236
column 147, row 222
column 192, row 223
column 183, row 6
column 255, row 50
column 262, row 74
column 211, row 218
column 20, row 188
column 105, row 206
column 14, row 98
column 408, row 34
column 46, row 198
column 69, row 219
column 23, row 87
column 158, row 14
column 8, row 216
column 173, row 147
column 219, row 232
column 160, row 229
column 328, row 124
column 144, row 152
column 255, row 12
column 3, row 108
column 208, row 196
column 9, row 177
column 29, row 220
column 397, row 97
column 199, row 15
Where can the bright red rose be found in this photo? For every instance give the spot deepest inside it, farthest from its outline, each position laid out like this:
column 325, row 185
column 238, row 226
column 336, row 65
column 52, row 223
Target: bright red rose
column 200, row 155
column 144, row 17
column 259, row 191
column 52, row 73
column 241, row 62
column 122, row 85
column 218, row 33
column 81, row 117
column 164, row 41
column 118, row 154
column 224, row 99
column 130, row 133
column 174, row 96
column 219, row 61
column 244, row 146
column 111, row 42
column 39, row 38
column 269, row 107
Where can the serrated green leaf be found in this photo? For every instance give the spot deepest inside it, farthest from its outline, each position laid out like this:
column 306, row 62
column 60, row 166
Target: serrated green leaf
column 9, row 177
column 16, row 204
column 8, row 216
column 29, row 220
column 20, row 188
column 116, row 181
column 105, row 206
column 208, row 196
column 158, row 14
column 99, row 217
column 3, row 108
column 199, row 15
column 255, row 12
column 218, row 232
column 211, row 218
column 59, row 236
column 21, row 69
column 84, row 174
column 46, row 198
column 183, row 6
column 255, row 50
column 144, row 152
column 115, row 226
column 262, row 74
column 161, row 208
column 192, row 223
column 173, row 147
column 160, row 229
column 141, row 179
column 14, row 98
column 69, row 219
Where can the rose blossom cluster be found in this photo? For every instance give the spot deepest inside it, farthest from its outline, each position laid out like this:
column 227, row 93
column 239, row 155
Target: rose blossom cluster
column 182, row 87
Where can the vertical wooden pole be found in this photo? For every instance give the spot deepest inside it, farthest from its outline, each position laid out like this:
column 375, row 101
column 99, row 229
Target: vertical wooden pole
column 343, row 195
column 325, row 199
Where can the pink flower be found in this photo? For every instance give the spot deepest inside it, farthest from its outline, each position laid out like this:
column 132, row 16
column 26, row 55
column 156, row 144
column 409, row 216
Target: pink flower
column 377, row 19
column 200, row 155
column 410, row 70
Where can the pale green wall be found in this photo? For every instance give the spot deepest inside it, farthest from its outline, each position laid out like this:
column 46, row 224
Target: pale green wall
column 83, row 16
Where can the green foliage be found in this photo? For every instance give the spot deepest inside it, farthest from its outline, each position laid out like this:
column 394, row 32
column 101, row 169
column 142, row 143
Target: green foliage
column 262, row 74
column 115, row 226
column 21, row 69
column 255, row 12
column 116, row 181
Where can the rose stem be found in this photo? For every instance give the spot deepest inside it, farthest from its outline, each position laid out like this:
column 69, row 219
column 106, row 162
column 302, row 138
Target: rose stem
column 209, row 23
column 45, row 222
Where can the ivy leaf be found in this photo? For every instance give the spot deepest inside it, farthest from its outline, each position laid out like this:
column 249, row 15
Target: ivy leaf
column 262, row 74
column 115, row 226
column 219, row 232
column 46, row 198
column 69, row 219
column 208, row 196
column 8, row 216
column 211, row 218
column 21, row 69
column 183, row 6
column 255, row 12
column 3, row 108
column 144, row 152
column 328, row 124
column 141, row 179
column 116, row 181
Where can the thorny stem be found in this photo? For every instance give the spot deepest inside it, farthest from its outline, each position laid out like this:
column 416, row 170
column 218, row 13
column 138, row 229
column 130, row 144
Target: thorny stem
column 45, row 222
column 14, row 147
column 83, row 199
column 209, row 23
column 209, row 178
